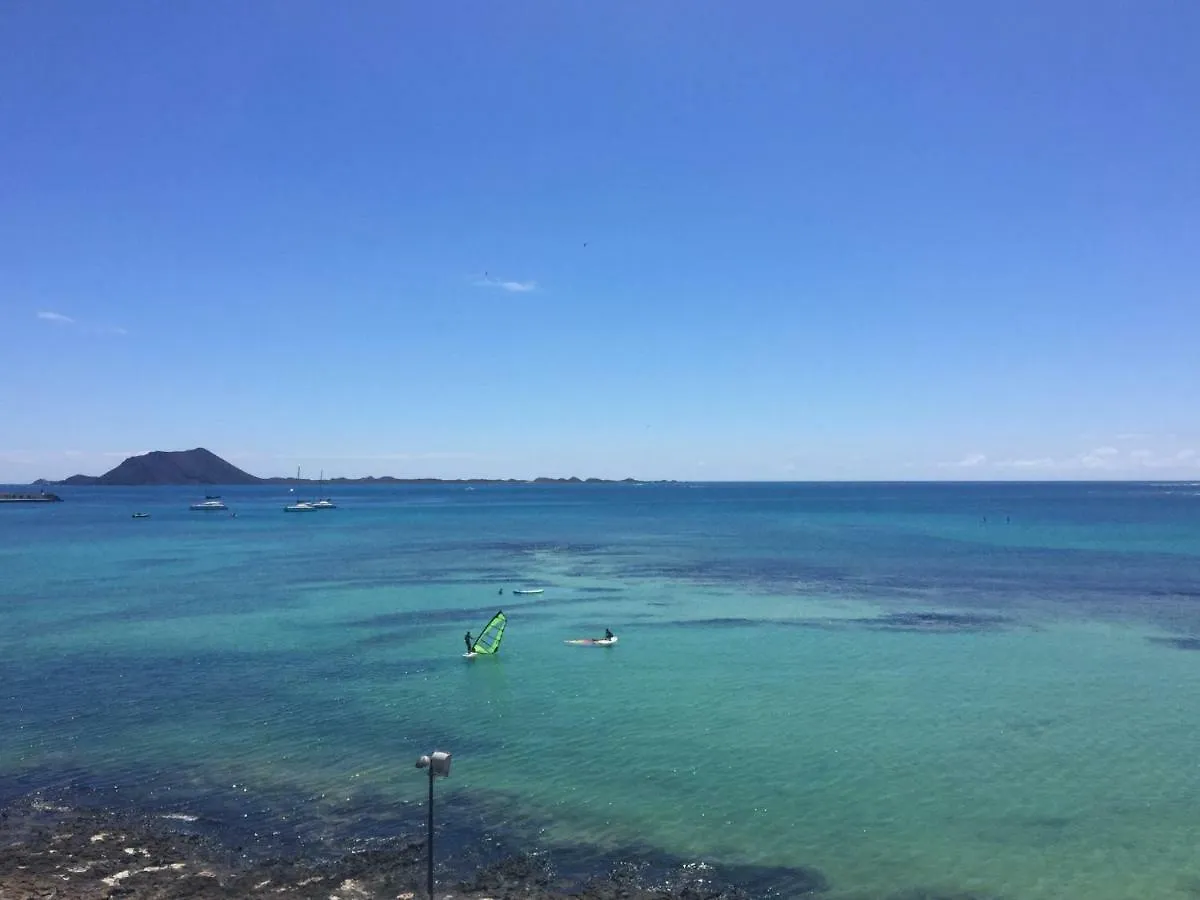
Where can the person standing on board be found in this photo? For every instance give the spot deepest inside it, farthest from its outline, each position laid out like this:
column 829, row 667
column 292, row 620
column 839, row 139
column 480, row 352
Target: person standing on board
column 467, row 638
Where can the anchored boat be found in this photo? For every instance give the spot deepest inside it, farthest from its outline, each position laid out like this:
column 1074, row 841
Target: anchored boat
column 300, row 505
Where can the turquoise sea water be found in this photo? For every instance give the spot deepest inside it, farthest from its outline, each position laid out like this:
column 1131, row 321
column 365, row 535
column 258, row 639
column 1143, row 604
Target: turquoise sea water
column 971, row 688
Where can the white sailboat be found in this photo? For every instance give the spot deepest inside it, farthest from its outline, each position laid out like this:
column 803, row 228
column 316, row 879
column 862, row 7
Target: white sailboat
column 302, row 505
column 324, row 502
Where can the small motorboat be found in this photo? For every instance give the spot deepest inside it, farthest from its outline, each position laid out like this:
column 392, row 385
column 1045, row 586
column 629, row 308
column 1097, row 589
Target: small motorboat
column 210, row 504
column 141, row 515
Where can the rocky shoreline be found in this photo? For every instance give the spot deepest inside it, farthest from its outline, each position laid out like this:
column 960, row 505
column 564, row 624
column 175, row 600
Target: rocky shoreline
column 48, row 850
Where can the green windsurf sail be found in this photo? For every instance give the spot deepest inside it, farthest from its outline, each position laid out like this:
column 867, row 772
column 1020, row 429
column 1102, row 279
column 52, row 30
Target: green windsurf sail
column 489, row 639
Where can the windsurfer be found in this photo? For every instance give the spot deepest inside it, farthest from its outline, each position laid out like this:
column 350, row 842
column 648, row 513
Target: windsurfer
column 467, row 638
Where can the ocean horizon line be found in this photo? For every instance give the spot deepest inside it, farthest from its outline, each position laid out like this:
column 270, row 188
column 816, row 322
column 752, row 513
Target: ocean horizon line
column 571, row 480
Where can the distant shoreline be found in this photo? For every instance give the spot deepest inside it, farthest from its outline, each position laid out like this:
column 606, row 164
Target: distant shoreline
column 98, row 481
column 201, row 467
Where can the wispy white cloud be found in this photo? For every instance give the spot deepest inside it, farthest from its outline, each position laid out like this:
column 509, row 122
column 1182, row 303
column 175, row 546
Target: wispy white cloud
column 1133, row 436
column 61, row 319
column 1100, row 458
column 970, row 461
column 1107, row 459
column 513, row 287
column 47, row 316
column 1151, row 460
column 1040, row 462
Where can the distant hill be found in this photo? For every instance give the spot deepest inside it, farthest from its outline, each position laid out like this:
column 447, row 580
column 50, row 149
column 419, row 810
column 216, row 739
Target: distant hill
column 200, row 466
column 197, row 466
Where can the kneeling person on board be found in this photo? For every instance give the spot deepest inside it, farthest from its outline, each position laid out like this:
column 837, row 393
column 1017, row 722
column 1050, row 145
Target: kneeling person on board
column 608, row 635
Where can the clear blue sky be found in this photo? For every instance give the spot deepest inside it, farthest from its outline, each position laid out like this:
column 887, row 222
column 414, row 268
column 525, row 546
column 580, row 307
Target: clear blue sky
column 721, row 240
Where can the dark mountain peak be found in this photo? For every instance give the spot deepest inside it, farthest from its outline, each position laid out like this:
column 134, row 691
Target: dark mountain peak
column 197, row 466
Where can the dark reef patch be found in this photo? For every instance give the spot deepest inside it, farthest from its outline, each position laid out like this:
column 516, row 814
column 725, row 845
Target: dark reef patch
column 1158, row 587
column 923, row 622
column 388, row 639
column 767, row 573
column 721, row 622
column 639, row 872
column 1179, row 643
column 935, row 622
column 421, row 617
column 394, row 637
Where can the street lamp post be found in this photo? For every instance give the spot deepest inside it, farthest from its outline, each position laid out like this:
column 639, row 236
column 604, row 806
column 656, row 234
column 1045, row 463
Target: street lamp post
column 438, row 763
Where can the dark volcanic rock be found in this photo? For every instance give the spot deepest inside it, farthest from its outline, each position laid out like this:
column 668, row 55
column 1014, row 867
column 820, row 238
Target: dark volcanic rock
column 197, row 466
column 518, row 876
column 50, row 851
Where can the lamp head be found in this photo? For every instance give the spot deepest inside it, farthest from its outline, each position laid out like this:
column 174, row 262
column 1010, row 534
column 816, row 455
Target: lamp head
column 437, row 762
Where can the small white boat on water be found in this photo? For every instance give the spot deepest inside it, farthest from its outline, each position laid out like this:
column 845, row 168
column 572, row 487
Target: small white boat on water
column 324, row 502
column 210, row 503
column 299, row 505
column 309, row 505
column 529, row 591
